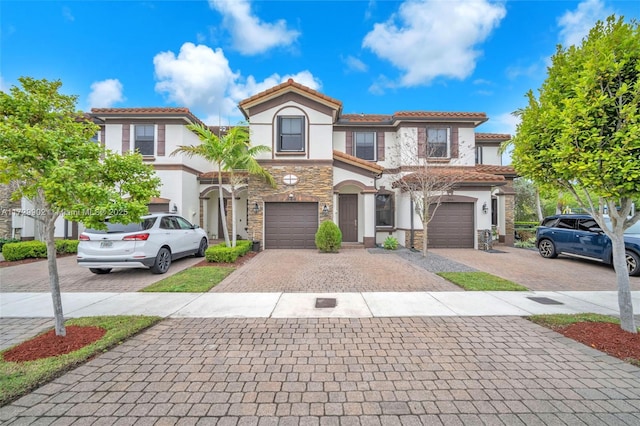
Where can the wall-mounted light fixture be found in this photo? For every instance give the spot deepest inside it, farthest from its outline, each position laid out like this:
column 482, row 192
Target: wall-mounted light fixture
column 325, row 210
column 174, row 209
column 485, row 209
column 291, row 196
column 256, row 208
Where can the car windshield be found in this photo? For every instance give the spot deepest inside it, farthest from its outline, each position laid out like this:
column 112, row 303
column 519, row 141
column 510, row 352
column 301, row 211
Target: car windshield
column 119, row 228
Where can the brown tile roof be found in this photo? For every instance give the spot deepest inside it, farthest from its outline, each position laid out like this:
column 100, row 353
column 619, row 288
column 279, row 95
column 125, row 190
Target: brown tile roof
column 225, row 175
column 365, row 118
column 435, row 114
column 287, row 85
column 147, row 111
column 462, row 174
column 477, row 117
column 497, row 170
column 358, row 162
column 159, row 200
column 493, row 136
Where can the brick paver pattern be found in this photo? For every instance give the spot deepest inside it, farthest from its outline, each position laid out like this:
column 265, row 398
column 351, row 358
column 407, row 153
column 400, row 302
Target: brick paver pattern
column 384, row 371
column 16, row 330
column 352, row 270
column 528, row 268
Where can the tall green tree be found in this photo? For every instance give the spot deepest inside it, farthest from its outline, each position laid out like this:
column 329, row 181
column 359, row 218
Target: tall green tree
column 582, row 135
column 47, row 154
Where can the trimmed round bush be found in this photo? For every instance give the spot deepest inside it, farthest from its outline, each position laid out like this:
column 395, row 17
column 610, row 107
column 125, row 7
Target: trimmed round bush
column 328, row 237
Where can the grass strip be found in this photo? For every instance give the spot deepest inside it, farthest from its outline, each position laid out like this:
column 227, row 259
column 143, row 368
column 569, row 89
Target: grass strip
column 481, row 281
column 563, row 320
column 18, row 378
column 193, row 280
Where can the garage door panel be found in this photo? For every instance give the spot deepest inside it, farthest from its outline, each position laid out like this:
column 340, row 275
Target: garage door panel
column 452, row 226
column 290, row 225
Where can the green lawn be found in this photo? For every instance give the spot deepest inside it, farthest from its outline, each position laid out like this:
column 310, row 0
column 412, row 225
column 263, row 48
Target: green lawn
column 16, row 379
column 562, row 320
column 481, row 281
column 193, row 280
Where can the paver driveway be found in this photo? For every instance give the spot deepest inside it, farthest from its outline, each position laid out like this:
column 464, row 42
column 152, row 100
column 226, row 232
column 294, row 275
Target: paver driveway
column 528, row 268
column 351, row 270
column 382, row 371
column 34, row 277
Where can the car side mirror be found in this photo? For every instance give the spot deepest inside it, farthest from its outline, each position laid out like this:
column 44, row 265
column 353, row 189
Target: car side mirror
column 596, row 229
column 194, row 227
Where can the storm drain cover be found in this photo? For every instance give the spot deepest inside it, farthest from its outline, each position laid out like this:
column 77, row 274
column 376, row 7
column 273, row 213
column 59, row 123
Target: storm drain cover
column 545, row 301
column 326, row 303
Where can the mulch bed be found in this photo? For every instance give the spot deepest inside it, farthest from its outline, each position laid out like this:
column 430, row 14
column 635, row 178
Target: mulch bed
column 48, row 344
column 605, row 337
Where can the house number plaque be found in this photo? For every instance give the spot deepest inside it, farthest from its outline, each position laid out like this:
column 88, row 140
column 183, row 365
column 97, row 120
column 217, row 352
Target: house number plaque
column 290, row 179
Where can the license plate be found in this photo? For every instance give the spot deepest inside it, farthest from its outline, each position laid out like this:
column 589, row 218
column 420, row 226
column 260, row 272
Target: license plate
column 106, row 244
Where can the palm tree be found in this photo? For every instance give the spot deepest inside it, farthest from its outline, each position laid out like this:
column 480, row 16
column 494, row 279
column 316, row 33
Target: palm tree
column 214, row 149
column 231, row 152
column 241, row 156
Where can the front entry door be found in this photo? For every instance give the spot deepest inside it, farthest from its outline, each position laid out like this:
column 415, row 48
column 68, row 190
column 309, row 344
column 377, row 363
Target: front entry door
column 348, row 217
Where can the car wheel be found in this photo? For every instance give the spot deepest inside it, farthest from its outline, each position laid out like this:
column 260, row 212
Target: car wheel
column 547, row 249
column 100, row 271
column 202, row 248
column 633, row 263
column 162, row 262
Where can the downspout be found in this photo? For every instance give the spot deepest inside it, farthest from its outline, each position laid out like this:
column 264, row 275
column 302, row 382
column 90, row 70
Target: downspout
column 411, row 214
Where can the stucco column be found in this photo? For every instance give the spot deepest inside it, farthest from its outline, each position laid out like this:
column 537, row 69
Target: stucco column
column 369, row 226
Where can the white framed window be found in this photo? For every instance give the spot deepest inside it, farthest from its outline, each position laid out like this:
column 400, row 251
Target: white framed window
column 438, row 142
column 384, row 210
column 364, row 146
column 96, row 137
column 291, row 134
column 145, row 139
column 479, row 155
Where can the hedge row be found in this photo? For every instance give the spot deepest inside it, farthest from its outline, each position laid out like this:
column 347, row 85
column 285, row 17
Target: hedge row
column 4, row 241
column 526, row 225
column 222, row 254
column 36, row 249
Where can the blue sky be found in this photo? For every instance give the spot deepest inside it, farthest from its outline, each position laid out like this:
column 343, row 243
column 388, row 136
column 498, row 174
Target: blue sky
column 377, row 57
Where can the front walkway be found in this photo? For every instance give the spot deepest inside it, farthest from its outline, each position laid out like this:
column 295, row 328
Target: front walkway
column 364, row 371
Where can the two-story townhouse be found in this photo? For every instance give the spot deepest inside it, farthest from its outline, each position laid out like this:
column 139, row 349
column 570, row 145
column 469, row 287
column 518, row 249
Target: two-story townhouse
column 343, row 167
column 328, row 166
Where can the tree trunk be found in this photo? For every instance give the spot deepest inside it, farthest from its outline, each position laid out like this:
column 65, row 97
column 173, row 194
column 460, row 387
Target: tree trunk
column 627, row 321
column 425, row 248
column 54, row 279
column 539, row 206
column 223, row 215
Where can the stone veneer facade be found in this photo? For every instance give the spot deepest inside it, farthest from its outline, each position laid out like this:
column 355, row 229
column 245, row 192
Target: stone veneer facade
column 5, row 211
column 315, row 184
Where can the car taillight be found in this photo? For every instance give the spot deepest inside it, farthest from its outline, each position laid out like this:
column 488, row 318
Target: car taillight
column 137, row 237
column 83, row 238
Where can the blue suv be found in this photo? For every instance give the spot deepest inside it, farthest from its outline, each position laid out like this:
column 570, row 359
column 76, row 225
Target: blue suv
column 580, row 235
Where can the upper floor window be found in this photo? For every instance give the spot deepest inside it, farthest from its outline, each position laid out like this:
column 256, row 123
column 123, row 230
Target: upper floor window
column 291, row 134
column 145, row 139
column 365, row 145
column 96, row 137
column 384, row 210
column 479, row 155
column 438, row 142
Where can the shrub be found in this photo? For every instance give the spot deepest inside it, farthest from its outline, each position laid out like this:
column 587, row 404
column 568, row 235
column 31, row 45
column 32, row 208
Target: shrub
column 328, row 237
column 66, row 246
column 36, row 249
column 4, row 241
column 222, row 254
column 24, row 249
column 390, row 243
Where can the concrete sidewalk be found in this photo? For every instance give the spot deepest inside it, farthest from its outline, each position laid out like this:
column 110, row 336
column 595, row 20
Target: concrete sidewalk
column 303, row 305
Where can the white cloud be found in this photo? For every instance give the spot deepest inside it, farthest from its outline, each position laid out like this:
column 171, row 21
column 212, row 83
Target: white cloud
column 4, row 87
column 250, row 35
column 575, row 25
column 105, row 93
column 431, row 38
column 503, row 123
column 67, row 14
column 201, row 79
column 354, row 64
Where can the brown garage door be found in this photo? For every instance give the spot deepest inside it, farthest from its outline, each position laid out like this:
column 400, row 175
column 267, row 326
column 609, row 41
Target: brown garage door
column 290, row 225
column 452, row 226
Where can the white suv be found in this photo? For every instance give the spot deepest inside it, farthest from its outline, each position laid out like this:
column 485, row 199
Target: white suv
column 153, row 243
